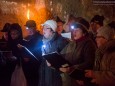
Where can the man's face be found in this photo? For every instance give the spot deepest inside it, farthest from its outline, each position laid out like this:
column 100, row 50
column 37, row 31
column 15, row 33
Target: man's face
column 14, row 34
column 59, row 27
column 93, row 26
column 30, row 31
column 47, row 32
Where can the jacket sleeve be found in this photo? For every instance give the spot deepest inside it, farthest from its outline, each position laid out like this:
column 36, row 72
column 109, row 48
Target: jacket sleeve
column 107, row 77
column 62, row 43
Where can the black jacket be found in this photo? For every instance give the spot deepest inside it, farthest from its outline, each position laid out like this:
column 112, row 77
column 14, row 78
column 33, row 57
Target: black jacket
column 49, row 76
column 34, row 44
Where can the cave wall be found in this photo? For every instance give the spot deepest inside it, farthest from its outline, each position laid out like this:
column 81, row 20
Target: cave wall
column 41, row 10
column 84, row 8
column 16, row 12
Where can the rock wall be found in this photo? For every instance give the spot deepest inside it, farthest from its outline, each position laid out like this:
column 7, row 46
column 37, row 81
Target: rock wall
column 41, row 10
column 16, row 12
column 84, row 8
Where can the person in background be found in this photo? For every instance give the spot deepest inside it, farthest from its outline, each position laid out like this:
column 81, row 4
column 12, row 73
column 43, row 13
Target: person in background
column 4, row 53
column 60, row 24
column 52, row 42
column 70, row 19
column 4, row 40
column 34, row 44
column 79, row 52
column 5, row 31
column 95, row 24
column 15, row 37
column 104, row 68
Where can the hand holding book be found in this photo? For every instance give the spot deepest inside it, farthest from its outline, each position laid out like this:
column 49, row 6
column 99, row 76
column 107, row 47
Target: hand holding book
column 77, row 74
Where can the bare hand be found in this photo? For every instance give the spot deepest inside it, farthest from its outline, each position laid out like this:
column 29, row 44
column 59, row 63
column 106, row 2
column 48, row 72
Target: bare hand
column 93, row 80
column 65, row 70
column 80, row 82
column 19, row 46
column 89, row 73
column 48, row 64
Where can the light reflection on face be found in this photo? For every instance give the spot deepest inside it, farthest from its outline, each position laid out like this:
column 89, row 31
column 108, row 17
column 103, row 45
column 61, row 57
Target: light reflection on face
column 47, row 32
column 30, row 31
column 77, row 33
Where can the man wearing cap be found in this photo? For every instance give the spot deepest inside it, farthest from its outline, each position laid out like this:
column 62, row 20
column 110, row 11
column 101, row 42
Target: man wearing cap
column 4, row 62
column 95, row 24
column 5, row 31
column 34, row 44
column 60, row 24
column 104, row 68
column 4, row 40
column 53, row 42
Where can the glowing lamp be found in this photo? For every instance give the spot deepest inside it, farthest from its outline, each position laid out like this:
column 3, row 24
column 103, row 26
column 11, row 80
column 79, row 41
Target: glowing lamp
column 72, row 27
column 27, row 28
column 44, row 46
column 28, row 14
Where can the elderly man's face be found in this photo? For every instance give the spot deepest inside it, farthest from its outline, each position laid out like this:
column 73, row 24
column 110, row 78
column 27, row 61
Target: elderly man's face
column 47, row 32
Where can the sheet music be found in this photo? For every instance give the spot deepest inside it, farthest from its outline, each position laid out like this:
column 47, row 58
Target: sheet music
column 66, row 35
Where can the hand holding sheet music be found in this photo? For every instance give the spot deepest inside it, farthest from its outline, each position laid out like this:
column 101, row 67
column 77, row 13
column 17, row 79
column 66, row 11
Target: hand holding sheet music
column 21, row 46
column 55, row 60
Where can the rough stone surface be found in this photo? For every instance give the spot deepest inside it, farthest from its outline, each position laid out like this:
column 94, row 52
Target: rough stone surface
column 41, row 10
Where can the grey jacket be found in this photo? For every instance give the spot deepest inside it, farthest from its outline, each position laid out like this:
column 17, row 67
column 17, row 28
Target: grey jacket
column 105, row 65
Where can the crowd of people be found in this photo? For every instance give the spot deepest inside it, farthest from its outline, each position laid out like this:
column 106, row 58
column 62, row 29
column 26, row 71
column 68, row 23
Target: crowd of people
column 90, row 50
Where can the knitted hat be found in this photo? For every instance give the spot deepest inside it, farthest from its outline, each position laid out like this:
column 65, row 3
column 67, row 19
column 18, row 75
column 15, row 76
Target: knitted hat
column 52, row 24
column 98, row 19
column 106, row 32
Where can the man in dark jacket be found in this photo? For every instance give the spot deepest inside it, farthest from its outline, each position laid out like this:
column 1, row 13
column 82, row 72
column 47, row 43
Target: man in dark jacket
column 4, row 54
column 34, row 43
column 52, row 42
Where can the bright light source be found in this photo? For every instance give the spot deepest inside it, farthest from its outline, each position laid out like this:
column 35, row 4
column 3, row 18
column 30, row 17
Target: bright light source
column 72, row 27
column 27, row 28
column 44, row 46
column 28, row 14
